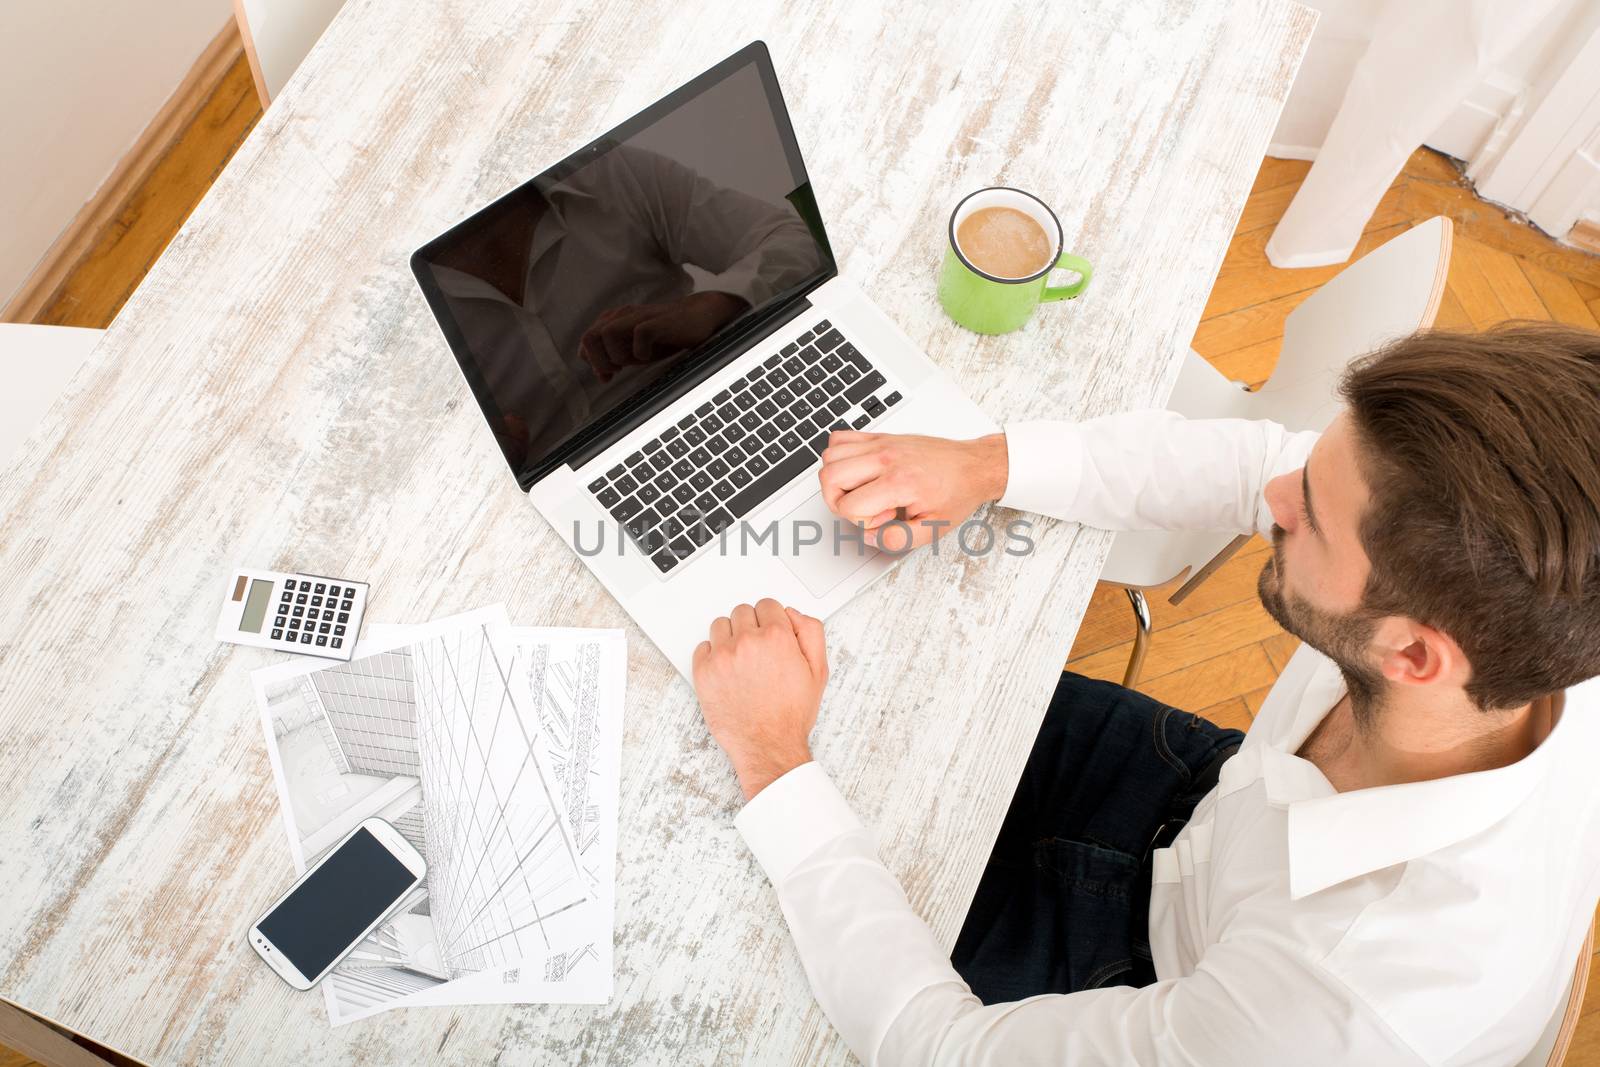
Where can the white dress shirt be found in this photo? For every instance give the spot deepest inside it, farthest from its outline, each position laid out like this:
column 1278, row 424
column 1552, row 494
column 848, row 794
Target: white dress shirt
column 1428, row 923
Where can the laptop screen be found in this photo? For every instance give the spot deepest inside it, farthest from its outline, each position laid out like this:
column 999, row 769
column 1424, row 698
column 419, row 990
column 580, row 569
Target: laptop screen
column 629, row 265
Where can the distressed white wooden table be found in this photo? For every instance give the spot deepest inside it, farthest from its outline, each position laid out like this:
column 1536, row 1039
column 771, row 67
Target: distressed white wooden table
column 276, row 394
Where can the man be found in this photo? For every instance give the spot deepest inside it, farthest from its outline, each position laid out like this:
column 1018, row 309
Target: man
column 1399, row 862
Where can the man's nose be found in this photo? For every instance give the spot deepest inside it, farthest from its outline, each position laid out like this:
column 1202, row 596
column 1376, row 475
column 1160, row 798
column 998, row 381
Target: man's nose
column 1280, row 493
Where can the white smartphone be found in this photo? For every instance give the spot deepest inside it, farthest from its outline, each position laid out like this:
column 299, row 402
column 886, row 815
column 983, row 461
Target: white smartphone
column 337, row 903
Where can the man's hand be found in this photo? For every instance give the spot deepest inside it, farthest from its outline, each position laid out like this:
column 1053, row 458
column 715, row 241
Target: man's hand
column 644, row 333
column 868, row 477
column 760, row 680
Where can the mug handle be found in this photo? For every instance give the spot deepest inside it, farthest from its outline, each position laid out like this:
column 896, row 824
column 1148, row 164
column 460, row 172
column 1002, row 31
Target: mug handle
column 1069, row 261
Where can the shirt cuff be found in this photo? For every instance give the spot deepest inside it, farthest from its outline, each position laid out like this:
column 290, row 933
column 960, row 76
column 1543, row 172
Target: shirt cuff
column 1045, row 461
column 792, row 818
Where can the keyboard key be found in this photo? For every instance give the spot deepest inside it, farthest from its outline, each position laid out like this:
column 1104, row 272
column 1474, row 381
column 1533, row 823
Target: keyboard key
column 823, row 325
column 819, row 442
column 701, row 481
column 778, row 376
column 718, row 469
column 624, row 511
column 651, row 446
column 746, row 500
column 790, row 349
column 767, row 432
column 789, row 441
column 305, row 638
column 861, row 421
column 800, row 409
column 772, row 360
column 649, row 494
column 700, row 457
column 762, row 389
column 784, row 421
column 665, row 480
column 344, row 616
column 719, row 443
column 321, row 588
column 333, row 591
column 834, row 386
column 814, row 375
column 286, row 597
column 661, row 460
column 830, row 340
column 838, row 405
column 626, row 484
column 806, row 337
column 669, row 433
column 616, row 472
column 744, row 401
column 892, row 399
column 300, row 598
column 294, row 627
column 727, row 413
column 635, row 459
column 756, row 373
column 664, row 560
column 312, row 613
column 299, row 611
column 677, row 449
column 683, row 492
column 279, row 621
column 608, row 497
column 685, row 422
column 703, row 410
column 705, row 502
column 711, row 424
column 324, row 628
column 817, row 397
column 850, row 373
column 719, row 520
column 831, row 362
column 750, row 420
column 734, row 456
column 783, row 398
column 700, row 533
column 722, row 490
column 597, row 485
column 810, row 354
column 740, row 478
column 756, row 465
column 819, row 421
column 695, row 436
column 793, row 366
column 683, row 548
column 722, row 397
column 733, row 432
column 767, row 408
column 850, row 352
column 683, row 468
column 739, row 384
column 277, row 633
column 864, row 388
column 773, row 453
column 642, row 523
column 873, row 406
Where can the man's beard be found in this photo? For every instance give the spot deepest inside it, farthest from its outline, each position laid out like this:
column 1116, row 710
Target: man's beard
column 1344, row 639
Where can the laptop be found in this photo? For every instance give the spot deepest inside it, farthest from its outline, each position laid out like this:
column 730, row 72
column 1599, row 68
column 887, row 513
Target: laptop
column 661, row 342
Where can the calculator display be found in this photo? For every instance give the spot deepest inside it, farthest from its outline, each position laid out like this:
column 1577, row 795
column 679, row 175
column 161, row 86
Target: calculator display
column 255, row 606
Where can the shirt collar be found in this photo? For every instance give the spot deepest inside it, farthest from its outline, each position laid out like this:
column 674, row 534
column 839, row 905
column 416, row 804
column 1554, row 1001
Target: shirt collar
column 1335, row 836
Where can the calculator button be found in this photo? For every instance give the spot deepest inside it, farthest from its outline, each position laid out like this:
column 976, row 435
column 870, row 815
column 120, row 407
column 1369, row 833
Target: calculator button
column 324, row 628
column 344, row 607
column 337, row 642
column 311, row 614
column 339, row 630
column 289, row 584
column 305, row 638
column 344, row 616
column 321, row 588
column 301, row 599
column 299, row 611
column 286, row 595
column 276, row 634
column 316, row 602
column 333, row 590
column 278, row 621
column 321, row 640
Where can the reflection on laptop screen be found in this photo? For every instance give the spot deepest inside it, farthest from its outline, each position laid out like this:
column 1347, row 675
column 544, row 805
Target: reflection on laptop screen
column 609, row 274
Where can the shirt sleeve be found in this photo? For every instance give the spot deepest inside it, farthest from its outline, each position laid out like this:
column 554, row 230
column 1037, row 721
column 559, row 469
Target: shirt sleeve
column 887, row 986
column 1151, row 470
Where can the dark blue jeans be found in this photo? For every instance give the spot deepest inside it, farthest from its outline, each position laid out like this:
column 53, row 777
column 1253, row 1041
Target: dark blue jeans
column 1064, row 903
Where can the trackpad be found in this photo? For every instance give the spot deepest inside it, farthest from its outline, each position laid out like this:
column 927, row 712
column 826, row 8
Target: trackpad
column 819, row 548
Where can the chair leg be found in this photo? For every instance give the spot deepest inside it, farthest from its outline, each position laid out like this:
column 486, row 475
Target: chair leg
column 1141, row 636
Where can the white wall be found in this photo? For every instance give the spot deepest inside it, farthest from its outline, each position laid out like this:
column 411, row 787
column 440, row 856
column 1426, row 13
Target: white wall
column 79, row 81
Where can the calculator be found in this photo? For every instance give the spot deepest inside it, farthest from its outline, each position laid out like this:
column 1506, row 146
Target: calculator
column 308, row 614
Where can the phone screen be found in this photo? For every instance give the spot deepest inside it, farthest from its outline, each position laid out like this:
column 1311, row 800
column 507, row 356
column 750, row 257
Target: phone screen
column 318, row 921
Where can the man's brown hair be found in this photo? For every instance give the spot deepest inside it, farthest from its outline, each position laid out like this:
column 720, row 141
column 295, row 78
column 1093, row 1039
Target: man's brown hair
column 1482, row 452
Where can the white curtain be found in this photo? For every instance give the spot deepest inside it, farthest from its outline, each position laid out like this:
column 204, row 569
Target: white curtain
column 1425, row 56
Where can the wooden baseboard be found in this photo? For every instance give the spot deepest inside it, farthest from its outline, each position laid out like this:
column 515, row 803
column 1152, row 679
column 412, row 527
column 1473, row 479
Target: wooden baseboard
column 98, row 214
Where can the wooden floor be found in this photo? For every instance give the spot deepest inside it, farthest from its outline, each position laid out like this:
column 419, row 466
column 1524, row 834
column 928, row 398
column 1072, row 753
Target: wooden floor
column 1218, row 652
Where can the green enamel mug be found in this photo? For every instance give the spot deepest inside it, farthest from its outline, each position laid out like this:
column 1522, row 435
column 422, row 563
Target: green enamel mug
column 986, row 303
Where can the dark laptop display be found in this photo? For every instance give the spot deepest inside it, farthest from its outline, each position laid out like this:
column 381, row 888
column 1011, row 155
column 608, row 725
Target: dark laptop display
column 589, row 296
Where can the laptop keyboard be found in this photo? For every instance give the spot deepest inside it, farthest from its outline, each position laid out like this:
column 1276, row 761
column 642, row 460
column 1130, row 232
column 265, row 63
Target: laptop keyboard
column 721, row 461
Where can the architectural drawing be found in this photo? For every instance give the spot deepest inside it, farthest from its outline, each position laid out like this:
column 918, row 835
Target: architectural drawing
column 436, row 737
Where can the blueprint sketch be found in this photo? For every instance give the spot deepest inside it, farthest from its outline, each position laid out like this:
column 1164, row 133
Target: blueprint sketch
column 437, row 729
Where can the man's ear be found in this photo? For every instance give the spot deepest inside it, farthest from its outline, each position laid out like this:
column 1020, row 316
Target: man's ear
column 1410, row 653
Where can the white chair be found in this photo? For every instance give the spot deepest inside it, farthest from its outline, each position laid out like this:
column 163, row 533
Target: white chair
column 1390, row 292
column 278, row 34
column 37, row 363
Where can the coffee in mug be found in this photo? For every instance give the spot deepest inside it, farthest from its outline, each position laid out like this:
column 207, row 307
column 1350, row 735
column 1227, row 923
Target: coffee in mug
column 1004, row 242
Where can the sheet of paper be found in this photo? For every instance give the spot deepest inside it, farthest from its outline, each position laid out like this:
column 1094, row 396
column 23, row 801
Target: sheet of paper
column 437, row 729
